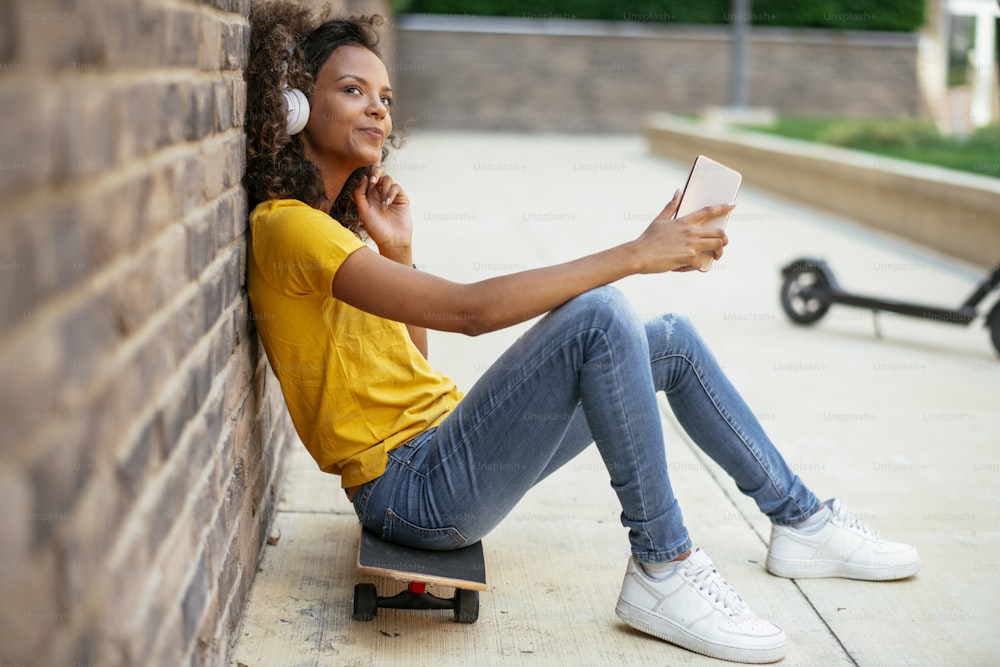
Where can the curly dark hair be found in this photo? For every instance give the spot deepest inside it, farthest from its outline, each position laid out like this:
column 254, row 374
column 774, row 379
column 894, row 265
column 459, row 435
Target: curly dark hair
column 288, row 45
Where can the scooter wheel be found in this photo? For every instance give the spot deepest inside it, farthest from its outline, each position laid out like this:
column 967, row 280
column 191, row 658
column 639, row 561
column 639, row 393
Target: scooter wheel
column 993, row 322
column 805, row 295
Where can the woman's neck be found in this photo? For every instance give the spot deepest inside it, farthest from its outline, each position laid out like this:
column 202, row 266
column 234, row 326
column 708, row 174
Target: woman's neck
column 332, row 175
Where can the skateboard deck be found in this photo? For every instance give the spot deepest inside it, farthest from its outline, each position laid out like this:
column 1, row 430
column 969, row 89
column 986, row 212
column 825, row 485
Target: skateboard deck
column 462, row 569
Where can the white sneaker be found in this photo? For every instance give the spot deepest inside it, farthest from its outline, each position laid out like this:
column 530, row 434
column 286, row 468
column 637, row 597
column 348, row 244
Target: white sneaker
column 695, row 608
column 843, row 547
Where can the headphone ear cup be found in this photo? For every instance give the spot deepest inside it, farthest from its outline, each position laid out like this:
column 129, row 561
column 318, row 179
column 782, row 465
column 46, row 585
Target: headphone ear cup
column 296, row 110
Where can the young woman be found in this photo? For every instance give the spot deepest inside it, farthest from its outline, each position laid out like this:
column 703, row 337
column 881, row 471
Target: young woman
column 428, row 466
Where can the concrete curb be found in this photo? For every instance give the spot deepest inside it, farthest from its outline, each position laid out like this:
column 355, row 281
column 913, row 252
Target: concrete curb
column 948, row 210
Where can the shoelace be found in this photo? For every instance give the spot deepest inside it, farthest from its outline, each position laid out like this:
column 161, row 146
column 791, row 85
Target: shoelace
column 707, row 579
column 845, row 516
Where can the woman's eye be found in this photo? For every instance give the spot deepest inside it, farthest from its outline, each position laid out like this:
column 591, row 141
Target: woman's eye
column 352, row 90
column 386, row 101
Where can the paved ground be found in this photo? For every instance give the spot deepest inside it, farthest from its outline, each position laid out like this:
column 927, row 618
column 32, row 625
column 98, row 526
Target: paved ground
column 904, row 427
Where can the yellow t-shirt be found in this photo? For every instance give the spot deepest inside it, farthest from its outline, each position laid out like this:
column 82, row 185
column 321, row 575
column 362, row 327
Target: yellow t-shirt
column 355, row 384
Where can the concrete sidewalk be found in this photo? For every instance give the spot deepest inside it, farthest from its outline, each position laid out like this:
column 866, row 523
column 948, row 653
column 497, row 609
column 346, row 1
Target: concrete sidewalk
column 905, row 428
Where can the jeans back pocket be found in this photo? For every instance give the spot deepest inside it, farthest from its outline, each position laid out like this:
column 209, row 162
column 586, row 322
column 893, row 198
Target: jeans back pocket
column 400, row 531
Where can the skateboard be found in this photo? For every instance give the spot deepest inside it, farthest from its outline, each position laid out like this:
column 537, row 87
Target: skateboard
column 463, row 569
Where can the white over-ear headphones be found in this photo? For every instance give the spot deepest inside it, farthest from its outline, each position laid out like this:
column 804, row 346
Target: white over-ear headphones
column 296, row 109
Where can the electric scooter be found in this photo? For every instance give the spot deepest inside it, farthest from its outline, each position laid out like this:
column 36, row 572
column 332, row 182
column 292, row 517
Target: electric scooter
column 809, row 288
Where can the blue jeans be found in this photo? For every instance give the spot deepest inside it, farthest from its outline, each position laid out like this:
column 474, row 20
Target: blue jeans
column 587, row 372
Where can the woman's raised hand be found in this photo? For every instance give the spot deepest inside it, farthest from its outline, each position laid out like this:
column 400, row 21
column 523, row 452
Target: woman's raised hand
column 670, row 244
column 385, row 211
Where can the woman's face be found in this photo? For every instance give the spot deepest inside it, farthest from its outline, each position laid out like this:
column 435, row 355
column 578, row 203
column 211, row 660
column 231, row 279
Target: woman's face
column 349, row 110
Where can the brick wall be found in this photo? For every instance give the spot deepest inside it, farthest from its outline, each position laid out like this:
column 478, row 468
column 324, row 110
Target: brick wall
column 560, row 75
column 141, row 431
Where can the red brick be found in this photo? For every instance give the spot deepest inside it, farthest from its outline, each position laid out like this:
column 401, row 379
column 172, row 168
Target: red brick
column 170, row 648
column 31, row 610
column 222, row 352
column 28, row 146
column 224, row 226
column 50, row 34
column 178, row 409
column 190, row 184
column 20, row 292
column 213, row 293
column 210, row 44
column 87, row 538
column 235, row 43
column 58, row 473
column 201, row 111
column 222, row 101
column 137, row 117
column 151, row 282
column 239, row 102
column 216, row 172
column 28, row 396
column 209, row 650
column 195, row 600
column 117, row 402
column 8, row 32
column 135, row 580
column 235, row 161
column 109, row 227
column 15, row 526
column 130, row 34
column 84, row 132
column 138, row 460
column 235, row 273
column 158, row 200
column 201, row 243
column 59, row 264
column 88, row 334
column 175, row 99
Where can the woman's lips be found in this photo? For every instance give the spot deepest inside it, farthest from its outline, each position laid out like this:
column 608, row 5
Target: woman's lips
column 373, row 132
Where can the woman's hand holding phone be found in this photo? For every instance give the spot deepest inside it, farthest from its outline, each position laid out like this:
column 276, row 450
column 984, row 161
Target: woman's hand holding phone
column 708, row 183
column 680, row 244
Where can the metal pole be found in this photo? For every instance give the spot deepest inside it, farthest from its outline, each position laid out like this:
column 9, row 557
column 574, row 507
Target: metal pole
column 984, row 68
column 739, row 19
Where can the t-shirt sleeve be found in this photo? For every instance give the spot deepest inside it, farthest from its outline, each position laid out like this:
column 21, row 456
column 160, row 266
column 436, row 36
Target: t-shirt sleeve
column 299, row 249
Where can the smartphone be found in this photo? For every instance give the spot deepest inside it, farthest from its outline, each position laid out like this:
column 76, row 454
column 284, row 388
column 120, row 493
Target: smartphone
column 709, row 183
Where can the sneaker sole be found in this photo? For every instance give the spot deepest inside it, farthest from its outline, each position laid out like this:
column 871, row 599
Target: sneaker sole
column 817, row 569
column 668, row 631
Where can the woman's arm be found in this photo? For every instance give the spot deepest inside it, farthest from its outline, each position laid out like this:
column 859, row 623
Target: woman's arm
column 418, row 333
column 376, row 284
column 386, row 215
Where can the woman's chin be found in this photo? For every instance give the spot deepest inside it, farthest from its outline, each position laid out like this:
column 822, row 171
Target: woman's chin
column 366, row 161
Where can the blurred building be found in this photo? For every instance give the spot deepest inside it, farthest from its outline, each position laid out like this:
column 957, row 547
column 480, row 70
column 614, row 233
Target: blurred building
column 959, row 55
column 568, row 75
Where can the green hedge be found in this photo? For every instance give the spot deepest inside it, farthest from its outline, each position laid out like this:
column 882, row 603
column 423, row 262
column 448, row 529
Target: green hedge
column 893, row 15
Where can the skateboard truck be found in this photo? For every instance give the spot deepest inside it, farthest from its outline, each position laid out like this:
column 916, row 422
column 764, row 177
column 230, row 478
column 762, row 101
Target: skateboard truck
column 809, row 289
column 463, row 569
column 367, row 602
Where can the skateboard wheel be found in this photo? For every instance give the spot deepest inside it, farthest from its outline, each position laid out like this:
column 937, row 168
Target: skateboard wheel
column 365, row 602
column 466, row 606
